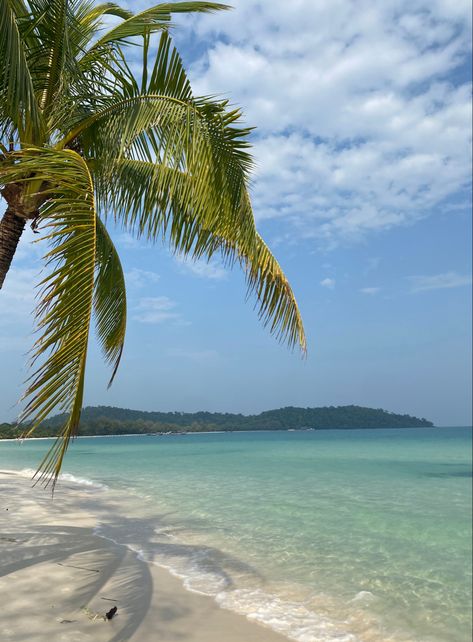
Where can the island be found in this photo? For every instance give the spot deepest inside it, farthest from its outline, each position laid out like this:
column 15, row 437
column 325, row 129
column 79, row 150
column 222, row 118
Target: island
column 108, row 420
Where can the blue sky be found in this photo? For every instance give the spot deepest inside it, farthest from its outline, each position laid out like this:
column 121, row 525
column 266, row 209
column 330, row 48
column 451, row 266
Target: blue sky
column 362, row 188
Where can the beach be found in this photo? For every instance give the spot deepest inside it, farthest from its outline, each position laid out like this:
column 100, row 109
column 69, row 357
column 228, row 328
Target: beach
column 59, row 578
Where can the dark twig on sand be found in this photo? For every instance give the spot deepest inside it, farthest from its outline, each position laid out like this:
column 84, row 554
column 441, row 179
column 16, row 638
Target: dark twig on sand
column 81, row 568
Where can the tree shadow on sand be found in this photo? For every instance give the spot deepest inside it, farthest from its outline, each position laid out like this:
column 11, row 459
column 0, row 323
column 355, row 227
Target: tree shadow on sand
column 103, row 573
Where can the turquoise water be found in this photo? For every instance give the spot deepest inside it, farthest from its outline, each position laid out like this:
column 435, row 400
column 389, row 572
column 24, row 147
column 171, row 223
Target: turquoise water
column 334, row 535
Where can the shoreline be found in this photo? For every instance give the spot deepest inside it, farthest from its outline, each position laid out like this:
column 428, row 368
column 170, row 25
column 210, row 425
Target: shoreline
column 59, row 577
column 232, row 432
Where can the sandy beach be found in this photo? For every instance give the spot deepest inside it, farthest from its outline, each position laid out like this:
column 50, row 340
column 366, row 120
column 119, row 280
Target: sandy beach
column 58, row 578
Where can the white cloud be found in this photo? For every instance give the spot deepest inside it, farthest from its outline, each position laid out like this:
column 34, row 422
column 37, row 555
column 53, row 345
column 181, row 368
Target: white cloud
column 139, row 278
column 360, row 125
column 156, row 310
column 128, row 242
column 370, row 291
column 203, row 269
column 328, row 283
column 439, row 281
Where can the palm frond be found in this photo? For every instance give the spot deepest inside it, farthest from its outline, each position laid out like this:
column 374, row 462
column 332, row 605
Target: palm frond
column 66, row 293
column 18, row 102
column 91, row 13
column 277, row 305
column 155, row 18
column 109, row 299
column 55, row 32
column 168, row 75
column 155, row 201
column 196, row 137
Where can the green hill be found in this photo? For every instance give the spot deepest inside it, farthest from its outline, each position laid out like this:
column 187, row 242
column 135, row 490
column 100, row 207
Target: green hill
column 107, row 420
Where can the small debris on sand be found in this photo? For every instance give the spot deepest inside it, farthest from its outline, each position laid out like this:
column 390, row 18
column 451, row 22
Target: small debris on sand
column 111, row 613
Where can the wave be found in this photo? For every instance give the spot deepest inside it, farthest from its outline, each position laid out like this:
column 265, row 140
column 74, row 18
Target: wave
column 292, row 619
column 67, row 477
column 198, row 574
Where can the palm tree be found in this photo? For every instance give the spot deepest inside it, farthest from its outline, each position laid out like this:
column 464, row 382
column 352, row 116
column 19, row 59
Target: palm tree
column 83, row 141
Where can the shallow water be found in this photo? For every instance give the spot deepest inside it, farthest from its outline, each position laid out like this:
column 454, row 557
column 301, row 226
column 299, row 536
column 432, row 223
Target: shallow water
column 332, row 535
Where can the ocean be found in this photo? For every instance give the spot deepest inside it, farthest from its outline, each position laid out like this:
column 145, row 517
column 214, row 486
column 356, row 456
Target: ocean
column 324, row 536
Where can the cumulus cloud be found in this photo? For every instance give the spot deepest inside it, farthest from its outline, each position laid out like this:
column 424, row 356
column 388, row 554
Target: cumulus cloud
column 328, row 283
column 139, row 278
column 203, row 269
column 156, row 310
column 362, row 109
column 439, row 281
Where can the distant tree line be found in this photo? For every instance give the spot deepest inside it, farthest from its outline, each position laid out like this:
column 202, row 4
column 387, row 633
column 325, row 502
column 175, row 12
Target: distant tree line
column 107, row 420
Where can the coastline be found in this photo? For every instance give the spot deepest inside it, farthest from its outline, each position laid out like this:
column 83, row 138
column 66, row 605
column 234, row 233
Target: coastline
column 59, row 577
column 230, row 432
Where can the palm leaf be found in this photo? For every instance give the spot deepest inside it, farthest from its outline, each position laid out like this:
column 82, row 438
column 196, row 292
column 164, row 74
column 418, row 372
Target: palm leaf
column 56, row 29
column 277, row 304
column 195, row 137
column 153, row 19
column 109, row 299
column 66, row 293
column 152, row 200
column 17, row 96
column 91, row 12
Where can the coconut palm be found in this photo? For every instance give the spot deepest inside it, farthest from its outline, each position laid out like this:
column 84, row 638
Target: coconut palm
column 84, row 140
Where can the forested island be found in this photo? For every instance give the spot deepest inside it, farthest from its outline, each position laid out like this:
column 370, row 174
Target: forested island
column 107, row 420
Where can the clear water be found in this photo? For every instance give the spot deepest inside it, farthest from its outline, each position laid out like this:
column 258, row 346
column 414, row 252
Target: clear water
column 334, row 535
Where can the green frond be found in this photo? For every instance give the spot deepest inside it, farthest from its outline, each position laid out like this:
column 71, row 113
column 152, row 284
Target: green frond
column 109, row 299
column 65, row 295
column 155, row 201
column 277, row 304
column 18, row 104
column 152, row 200
column 155, row 18
column 168, row 75
column 57, row 37
column 93, row 12
column 195, row 137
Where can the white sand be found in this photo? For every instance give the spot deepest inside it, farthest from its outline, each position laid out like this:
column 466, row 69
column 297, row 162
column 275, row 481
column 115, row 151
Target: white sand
column 56, row 576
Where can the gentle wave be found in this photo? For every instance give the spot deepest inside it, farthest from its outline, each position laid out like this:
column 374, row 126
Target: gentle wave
column 67, row 477
column 290, row 618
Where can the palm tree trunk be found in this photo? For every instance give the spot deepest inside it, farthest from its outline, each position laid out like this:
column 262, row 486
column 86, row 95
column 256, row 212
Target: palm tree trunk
column 11, row 229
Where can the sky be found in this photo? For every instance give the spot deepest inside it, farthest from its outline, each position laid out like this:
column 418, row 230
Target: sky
column 361, row 187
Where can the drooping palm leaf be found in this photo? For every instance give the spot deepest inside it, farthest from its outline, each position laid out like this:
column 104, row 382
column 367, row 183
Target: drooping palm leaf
column 154, row 201
column 277, row 305
column 66, row 293
column 109, row 299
